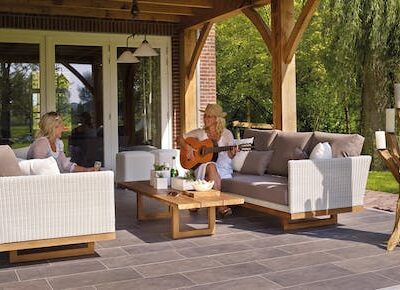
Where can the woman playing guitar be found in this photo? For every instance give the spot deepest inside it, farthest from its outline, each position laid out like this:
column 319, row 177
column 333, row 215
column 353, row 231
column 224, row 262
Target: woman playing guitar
column 214, row 129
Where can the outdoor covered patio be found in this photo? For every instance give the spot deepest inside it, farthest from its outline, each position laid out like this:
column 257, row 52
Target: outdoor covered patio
column 249, row 250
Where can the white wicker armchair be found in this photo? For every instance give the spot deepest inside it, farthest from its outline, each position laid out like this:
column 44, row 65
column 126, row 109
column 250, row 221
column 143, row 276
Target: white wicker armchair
column 45, row 211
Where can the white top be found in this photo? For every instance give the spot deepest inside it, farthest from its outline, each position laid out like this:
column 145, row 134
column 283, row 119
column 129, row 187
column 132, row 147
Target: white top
column 41, row 149
column 223, row 163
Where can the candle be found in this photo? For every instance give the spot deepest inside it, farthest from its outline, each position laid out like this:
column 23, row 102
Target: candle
column 397, row 95
column 380, row 140
column 390, row 120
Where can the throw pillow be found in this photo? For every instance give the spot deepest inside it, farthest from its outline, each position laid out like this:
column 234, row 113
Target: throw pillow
column 9, row 164
column 321, row 151
column 240, row 157
column 256, row 162
column 285, row 146
column 262, row 138
column 343, row 145
column 47, row 166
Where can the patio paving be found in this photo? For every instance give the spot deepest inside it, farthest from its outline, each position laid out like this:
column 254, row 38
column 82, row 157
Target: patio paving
column 248, row 251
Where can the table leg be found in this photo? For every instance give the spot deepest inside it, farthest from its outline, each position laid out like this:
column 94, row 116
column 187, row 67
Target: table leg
column 395, row 237
column 141, row 215
column 178, row 234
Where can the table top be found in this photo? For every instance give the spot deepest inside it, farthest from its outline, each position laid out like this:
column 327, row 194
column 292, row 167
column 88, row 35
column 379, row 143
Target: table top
column 181, row 201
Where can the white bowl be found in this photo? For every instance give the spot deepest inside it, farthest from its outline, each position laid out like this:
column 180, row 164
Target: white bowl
column 203, row 185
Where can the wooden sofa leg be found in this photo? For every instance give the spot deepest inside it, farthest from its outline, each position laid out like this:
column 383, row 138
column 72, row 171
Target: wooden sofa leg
column 289, row 225
column 19, row 256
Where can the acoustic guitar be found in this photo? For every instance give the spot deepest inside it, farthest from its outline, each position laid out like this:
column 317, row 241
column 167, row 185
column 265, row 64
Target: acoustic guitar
column 205, row 151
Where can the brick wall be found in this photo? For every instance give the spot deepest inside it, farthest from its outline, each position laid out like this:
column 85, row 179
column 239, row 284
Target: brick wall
column 208, row 90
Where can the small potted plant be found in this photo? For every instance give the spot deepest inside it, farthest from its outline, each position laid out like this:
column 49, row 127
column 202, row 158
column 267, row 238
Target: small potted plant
column 160, row 181
column 184, row 183
column 160, row 169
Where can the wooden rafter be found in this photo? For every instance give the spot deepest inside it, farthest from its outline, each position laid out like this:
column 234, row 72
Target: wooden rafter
column 299, row 28
column 177, row 3
column 86, row 12
column 198, row 48
column 222, row 10
column 261, row 26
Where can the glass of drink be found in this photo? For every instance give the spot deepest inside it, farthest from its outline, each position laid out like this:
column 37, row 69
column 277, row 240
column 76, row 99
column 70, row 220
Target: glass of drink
column 97, row 165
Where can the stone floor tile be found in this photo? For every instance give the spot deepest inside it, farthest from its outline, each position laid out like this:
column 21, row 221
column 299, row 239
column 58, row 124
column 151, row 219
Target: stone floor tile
column 368, row 281
column 248, row 256
column 358, row 251
column 316, row 246
column 279, row 240
column 226, row 272
column 298, row 261
column 172, row 267
column 31, row 285
column 93, row 278
column 142, row 259
column 111, row 252
column 213, row 250
column 374, row 263
column 8, row 276
column 306, row 274
column 59, row 270
column 392, row 273
column 154, row 283
column 226, row 238
column 253, row 283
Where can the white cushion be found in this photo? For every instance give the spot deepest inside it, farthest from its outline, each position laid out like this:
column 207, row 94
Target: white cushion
column 321, row 151
column 47, row 166
column 240, row 157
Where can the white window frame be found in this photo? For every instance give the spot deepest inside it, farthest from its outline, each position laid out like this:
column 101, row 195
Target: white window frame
column 47, row 41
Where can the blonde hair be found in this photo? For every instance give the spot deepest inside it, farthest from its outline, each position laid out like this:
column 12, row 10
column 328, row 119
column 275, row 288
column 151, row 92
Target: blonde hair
column 219, row 127
column 48, row 123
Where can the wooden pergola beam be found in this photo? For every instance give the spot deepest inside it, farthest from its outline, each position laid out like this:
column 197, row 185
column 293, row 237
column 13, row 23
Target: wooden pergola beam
column 221, row 10
column 299, row 28
column 261, row 26
column 177, row 3
column 86, row 12
column 199, row 47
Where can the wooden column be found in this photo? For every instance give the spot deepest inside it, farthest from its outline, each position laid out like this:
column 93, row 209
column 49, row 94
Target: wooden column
column 187, row 83
column 283, row 74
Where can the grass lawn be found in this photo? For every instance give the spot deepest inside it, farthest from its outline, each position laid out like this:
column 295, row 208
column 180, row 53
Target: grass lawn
column 382, row 181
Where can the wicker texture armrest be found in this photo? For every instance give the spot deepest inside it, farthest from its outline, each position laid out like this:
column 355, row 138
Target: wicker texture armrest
column 327, row 184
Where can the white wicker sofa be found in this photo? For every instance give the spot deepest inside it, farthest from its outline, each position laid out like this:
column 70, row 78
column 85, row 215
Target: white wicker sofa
column 41, row 211
column 297, row 189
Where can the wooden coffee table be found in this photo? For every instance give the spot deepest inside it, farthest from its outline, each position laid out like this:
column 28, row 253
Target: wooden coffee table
column 177, row 203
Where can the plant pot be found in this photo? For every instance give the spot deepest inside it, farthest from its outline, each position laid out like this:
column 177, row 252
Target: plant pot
column 160, row 183
column 181, row 183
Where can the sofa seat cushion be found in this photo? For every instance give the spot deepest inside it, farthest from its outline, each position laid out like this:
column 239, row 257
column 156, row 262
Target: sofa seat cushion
column 262, row 138
column 270, row 188
column 343, row 145
column 287, row 146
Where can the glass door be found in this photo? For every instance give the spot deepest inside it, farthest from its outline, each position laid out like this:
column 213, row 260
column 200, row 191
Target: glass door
column 79, row 98
column 19, row 93
column 139, row 104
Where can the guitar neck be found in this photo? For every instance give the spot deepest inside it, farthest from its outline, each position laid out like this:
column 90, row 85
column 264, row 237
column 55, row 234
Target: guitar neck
column 220, row 149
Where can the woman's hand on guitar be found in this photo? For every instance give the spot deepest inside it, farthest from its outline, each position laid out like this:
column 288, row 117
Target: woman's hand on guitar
column 189, row 152
column 232, row 152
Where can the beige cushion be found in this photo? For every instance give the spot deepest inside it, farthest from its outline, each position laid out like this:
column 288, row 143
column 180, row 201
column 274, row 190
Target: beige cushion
column 287, row 146
column 256, row 162
column 262, row 138
column 9, row 165
column 270, row 188
column 46, row 166
column 343, row 145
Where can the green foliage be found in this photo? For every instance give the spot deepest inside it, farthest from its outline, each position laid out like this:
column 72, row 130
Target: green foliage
column 346, row 65
column 382, row 181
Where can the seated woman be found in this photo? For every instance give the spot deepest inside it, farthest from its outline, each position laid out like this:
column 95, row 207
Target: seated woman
column 48, row 143
column 214, row 129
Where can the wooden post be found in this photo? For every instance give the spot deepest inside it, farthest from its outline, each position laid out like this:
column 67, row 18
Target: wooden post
column 283, row 74
column 187, row 83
